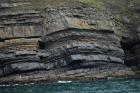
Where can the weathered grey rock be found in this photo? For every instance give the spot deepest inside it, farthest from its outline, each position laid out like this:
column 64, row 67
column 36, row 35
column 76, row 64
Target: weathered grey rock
column 57, row 21
column 77, row 42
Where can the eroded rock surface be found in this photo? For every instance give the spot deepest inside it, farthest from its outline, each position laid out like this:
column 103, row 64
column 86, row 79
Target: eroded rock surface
column 65, row 43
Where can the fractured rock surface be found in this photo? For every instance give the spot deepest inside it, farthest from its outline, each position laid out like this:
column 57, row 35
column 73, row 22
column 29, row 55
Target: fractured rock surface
column 65, row 43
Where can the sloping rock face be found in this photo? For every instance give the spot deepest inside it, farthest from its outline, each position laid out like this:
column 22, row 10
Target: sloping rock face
column 131, row 41
column 127, row 18
column 66, row 43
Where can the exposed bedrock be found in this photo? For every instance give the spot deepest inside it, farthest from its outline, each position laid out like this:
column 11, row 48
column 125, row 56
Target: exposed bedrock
column 131, row 41
column 131, row 47
column 20, row 31
column 65, row 43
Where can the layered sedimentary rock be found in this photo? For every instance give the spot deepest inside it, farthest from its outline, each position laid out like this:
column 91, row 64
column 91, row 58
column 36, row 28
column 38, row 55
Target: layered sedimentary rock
column 81, row 39
column 78, row 38
column 130, row 33
column 77, row 42
column 20, row 32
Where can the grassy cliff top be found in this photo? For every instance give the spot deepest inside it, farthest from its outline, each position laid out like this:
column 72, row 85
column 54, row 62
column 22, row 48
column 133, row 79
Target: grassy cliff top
column 101, row 4
column 125, row 6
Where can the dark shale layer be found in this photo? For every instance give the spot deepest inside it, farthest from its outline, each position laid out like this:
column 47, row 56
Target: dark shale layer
column 46, row 40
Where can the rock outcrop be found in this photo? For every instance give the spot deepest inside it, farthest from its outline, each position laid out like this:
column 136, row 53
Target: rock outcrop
column 77, row 42
column 128, row 20
column 20, row 32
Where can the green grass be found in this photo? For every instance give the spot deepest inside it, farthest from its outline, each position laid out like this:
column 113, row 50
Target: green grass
column 122, row 4
column 95, row 3
column 102, row 3
column 40, row 4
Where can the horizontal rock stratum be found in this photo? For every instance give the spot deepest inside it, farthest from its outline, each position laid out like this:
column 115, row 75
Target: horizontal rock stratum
column 69, row 41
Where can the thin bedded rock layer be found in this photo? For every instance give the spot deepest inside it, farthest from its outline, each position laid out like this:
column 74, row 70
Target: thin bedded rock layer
column 65, row 43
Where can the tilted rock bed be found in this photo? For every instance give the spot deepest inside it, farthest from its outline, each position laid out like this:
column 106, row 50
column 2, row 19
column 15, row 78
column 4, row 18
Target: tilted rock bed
column 66, row 43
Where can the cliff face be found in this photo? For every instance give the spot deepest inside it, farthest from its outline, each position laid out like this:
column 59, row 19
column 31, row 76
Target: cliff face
column 77, row 41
